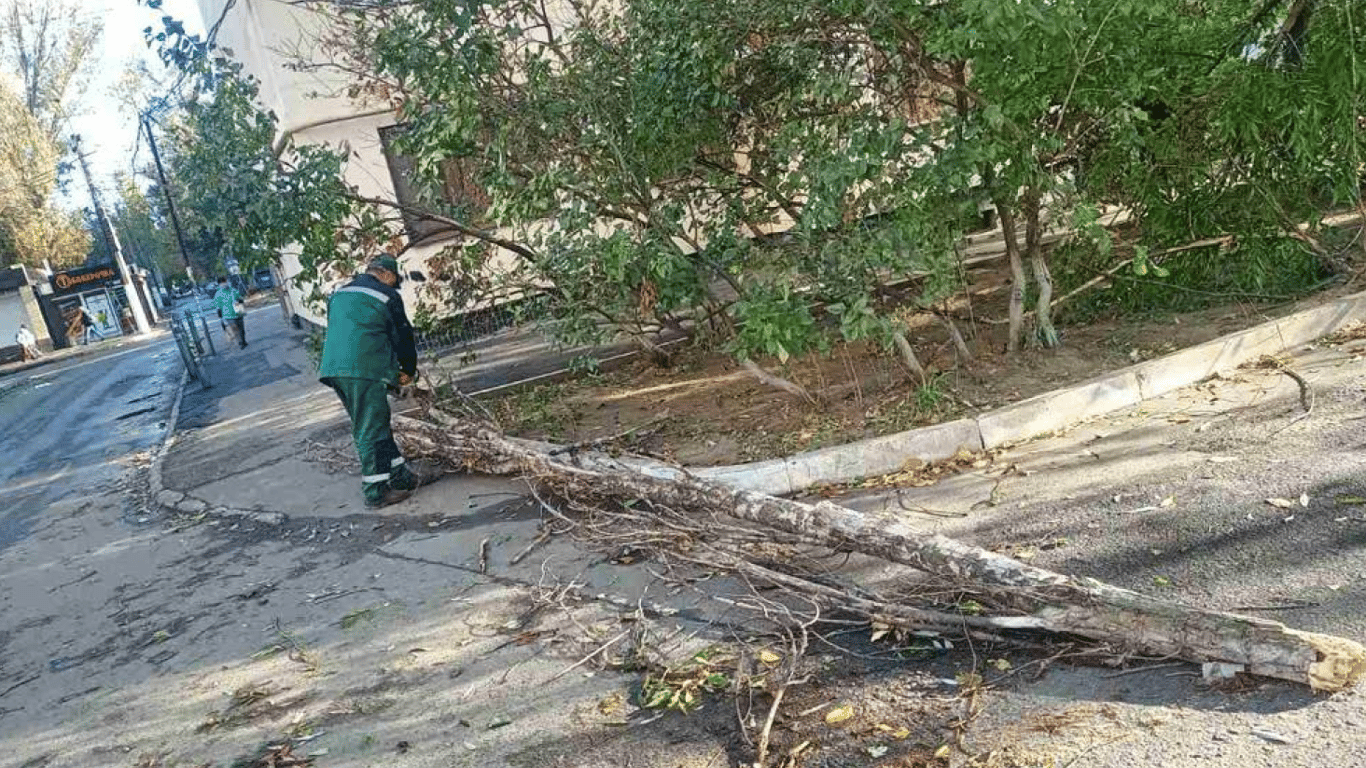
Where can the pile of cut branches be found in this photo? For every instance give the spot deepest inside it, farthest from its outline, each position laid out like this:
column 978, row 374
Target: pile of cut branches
column 712, row 525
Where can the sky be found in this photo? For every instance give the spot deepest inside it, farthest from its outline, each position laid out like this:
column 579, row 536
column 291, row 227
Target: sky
column 109, row 135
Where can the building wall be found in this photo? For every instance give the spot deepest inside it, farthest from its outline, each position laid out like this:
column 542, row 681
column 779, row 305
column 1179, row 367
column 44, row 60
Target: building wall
column 12, row 313
column 311, row 111
column 262, row 35
column 259, row 32
column 34, row 312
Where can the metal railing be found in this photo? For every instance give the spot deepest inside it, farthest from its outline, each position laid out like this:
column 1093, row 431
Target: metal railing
column 453, row 333
column 192, row 337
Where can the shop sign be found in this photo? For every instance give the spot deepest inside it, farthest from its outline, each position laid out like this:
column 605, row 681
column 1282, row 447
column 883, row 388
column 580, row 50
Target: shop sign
column 76, row 280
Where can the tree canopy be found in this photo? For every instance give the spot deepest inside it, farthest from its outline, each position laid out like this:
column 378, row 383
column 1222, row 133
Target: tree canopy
column 50, row 47
column 775, row 172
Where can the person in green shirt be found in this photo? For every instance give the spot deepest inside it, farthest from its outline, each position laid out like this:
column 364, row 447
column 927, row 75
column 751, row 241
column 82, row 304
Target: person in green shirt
column 368, row 351
column 229, row 304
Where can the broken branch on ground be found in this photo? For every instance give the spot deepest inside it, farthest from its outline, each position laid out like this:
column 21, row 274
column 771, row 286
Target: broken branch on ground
column 1017, row 597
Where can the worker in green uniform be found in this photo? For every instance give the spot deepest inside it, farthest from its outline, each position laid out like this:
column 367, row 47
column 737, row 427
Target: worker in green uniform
column 369, row 350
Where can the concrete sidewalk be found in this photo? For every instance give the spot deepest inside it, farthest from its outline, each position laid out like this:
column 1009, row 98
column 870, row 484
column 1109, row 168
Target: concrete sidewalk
column 424, row 604
column 245, row 442
column 269, row 443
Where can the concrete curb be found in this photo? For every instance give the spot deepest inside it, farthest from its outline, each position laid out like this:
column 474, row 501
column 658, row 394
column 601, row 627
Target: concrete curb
column 1014, row 423
column 154, row 481
column 1042, row 413
column 176, row 502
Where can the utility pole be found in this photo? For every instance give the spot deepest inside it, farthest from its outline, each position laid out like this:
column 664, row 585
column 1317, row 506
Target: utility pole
column 129, row 286
column 154, row 283
column 170, row 201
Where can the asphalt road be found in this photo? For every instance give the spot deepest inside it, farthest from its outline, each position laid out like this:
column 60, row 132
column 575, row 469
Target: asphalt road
column 73, row 428
column 128, row 638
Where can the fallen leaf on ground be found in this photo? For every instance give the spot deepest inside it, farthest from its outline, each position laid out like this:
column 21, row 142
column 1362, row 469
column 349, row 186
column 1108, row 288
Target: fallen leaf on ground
column 769, row 657
column 612, row 704
column 1280, row 503
column 839, row 714
column 1304, row 499
column 1351, row 500
column 896, row 733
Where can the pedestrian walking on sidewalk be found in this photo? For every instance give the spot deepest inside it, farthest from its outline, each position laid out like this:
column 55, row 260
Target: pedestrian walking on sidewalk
column 28, row 343
column 230, row 307
column 369, row 350
column 88, row 327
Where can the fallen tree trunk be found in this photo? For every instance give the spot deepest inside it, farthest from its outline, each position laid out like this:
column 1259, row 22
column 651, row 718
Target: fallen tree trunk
column 1042, row 600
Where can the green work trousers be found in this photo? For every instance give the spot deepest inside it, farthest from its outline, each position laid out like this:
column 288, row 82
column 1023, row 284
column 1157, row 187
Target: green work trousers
column 381, row 464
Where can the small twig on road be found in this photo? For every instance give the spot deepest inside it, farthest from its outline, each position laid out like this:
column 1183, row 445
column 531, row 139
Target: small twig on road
column 589, row 657
column 1137, row 670
column 901, row 502
column 761, row 754
column 520, row 556
column 338, row 595
column 1306, row 394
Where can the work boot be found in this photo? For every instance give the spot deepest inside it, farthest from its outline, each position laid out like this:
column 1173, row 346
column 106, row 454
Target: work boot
column 426, row 472
column 416, row 474
column 389, row 496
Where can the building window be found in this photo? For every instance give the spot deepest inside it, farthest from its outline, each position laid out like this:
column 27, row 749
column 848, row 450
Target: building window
column 457, row 194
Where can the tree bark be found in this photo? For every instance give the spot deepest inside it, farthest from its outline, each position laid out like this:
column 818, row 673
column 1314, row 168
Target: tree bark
column 1043, row 308
column 1040, row 600
column 1017, row 274
column 960, row 346
column 786, row 385
column 908, row 357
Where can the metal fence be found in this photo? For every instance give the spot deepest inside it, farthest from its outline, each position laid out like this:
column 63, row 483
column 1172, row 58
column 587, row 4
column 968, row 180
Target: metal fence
column 453, row 333
column 192, row 337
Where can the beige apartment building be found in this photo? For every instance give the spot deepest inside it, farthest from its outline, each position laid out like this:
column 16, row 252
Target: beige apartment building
column 267, row 36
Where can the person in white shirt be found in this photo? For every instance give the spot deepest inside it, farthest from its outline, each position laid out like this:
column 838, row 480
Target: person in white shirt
column 28, row 343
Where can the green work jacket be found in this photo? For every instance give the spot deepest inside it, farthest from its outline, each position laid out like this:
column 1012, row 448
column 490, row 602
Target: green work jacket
column 225, row 300
column 368, row 334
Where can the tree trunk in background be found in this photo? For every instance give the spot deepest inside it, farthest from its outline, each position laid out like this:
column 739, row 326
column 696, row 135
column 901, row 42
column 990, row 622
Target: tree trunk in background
column 786, row 385
column 1039, row 600
column 1017, row 274
column 960, row 346
column 1043, row 308
column 908, row 357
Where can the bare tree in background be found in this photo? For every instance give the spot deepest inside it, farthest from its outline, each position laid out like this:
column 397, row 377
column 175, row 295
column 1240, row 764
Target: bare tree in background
column 51, row 45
